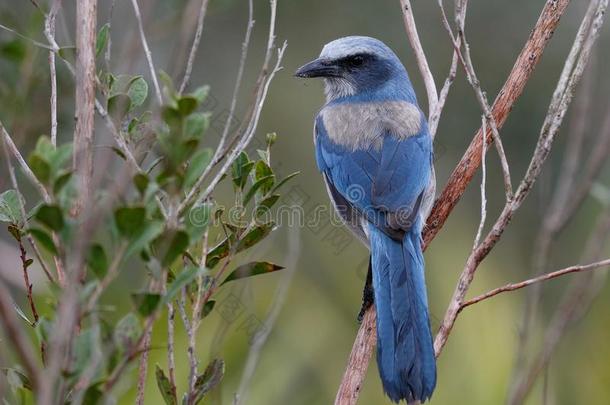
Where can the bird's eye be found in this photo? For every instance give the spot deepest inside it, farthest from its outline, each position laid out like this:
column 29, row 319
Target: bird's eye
column 356, row 60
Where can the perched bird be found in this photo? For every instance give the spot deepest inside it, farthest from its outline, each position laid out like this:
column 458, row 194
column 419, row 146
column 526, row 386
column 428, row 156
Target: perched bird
column 374, row 150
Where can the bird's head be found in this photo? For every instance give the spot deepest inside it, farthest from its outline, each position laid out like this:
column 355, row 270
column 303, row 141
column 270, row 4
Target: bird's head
column 358, row 65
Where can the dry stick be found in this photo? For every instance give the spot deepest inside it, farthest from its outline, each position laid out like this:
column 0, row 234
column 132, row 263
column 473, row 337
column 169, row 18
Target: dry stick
column 572, row 307
column 420, row 56
column 195, row 47
column 18, row 338
column 49, row 31
column 483, row 181
column 472, row 78
column 151, row 66
column 525, row 283
column 461, row 176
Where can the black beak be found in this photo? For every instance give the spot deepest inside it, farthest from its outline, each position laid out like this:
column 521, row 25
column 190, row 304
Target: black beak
column 318, row 68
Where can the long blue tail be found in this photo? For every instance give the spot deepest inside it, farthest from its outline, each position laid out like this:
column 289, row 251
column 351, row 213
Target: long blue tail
column 405, row 352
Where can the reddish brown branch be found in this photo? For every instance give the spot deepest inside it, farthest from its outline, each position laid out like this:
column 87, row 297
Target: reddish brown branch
column 26, row 278
column 460, row 178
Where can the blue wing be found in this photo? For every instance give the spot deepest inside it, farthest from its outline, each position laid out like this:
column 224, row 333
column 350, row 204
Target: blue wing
column 384, row 181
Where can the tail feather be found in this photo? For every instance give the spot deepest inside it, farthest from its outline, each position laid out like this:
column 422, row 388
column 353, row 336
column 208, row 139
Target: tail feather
column 405, row 353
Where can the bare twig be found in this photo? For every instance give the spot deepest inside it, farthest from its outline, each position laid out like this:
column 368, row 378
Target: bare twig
column 49, row 32
column 151, row 66
column 472, row 78
column 525, row 283
column 420, row 56
column 26, row 278
column 477, row 238
column 195, row 46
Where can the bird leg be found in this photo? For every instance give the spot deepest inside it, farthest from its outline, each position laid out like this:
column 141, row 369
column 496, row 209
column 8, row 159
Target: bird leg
column 368, row 296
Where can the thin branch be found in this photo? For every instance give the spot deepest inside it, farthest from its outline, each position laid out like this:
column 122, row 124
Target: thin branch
column 539, row 279
column 49, row 32
column 195, row 47
column 26, row 278
column 151, row 66
column 420, row 56
column 472, row 78
column 477, row 238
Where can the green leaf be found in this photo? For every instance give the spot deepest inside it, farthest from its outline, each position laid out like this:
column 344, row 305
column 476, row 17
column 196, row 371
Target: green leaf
column 141, row 181
column 265, row 204
column 93, row 395
column 207, row 308
column 196, row 124
column 251, row 238
column 61, row 181
column 127, row 331
column 144, row 237
column 146, row 303
column 173, row 119
column 67, row 53
column 271, row 138
column 51, row 216
column 175, row 244
column 138, row 91
column 284, row 181
column 254, row 236
column 261, row 170
column 118, row 106
column 199, row 162
column 102, row 39
column 44, row 239
column 167, row 390
column 97, row 260
column 263, row 184
column 252, row 269
column 10, row 210
column 186, row 105
column 16, row 375
column 59, row 156
column 168, row 85
column 240, row 169
column 201, row 93
column 210, row 378
column 183, row 279
column 130, row 220
column 198, row 220
column 40, row 167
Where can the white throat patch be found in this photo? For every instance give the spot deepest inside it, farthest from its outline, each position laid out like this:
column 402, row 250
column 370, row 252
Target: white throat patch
column 360, row 125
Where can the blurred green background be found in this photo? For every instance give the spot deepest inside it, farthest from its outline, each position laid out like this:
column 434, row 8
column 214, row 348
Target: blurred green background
column 304, row 357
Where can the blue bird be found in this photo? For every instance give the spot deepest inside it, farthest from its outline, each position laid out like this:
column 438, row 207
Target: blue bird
column 374, row 150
